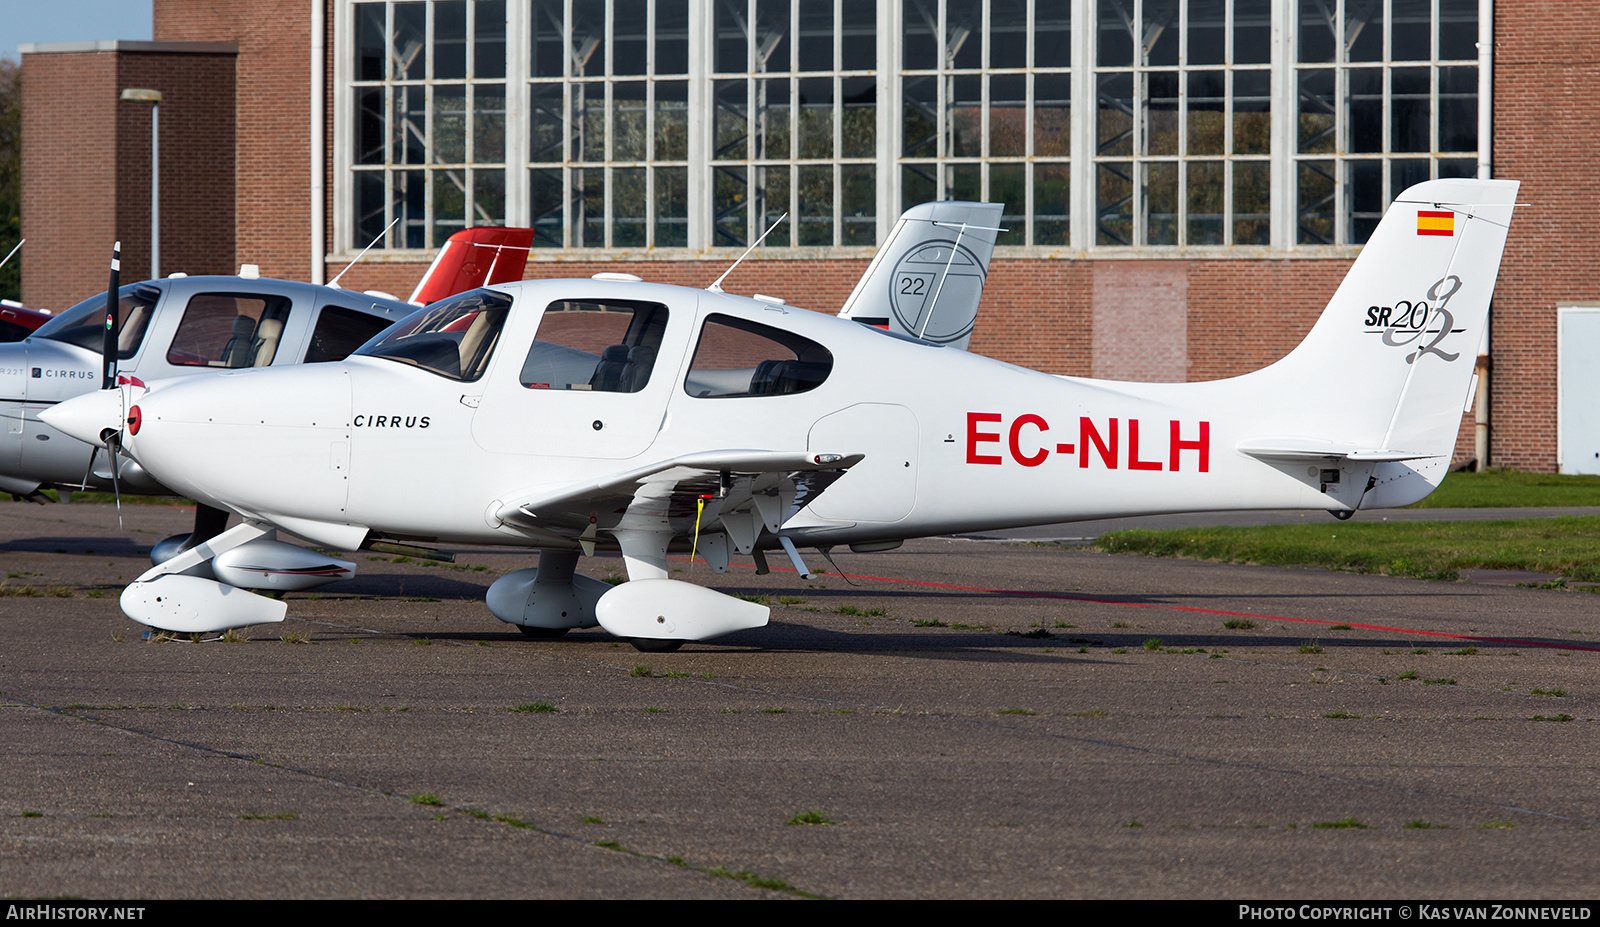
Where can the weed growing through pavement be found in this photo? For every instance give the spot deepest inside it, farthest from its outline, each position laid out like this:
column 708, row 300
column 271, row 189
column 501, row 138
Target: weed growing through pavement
column 1340, row 824
column 1238, row 624
column 537, row 708
column 810, row 817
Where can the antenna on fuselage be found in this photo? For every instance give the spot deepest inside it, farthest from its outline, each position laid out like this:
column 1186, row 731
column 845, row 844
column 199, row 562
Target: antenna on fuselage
column 13, row 252
column 717, row 286
column 335, row 281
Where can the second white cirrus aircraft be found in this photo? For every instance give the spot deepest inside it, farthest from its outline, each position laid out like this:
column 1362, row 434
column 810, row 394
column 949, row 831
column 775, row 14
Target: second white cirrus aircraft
column 571, row 415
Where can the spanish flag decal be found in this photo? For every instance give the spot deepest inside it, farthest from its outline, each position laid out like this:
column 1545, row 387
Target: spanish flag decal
column 1436, row 223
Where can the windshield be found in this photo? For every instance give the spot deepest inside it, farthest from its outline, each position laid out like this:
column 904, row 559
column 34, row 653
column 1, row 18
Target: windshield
column 453, row 337
column 84, row 324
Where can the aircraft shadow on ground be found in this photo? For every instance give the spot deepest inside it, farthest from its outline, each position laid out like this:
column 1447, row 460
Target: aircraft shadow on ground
column 79, row 545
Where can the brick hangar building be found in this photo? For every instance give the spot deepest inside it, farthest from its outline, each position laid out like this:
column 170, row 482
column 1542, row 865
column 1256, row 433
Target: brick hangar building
column 1186, row 181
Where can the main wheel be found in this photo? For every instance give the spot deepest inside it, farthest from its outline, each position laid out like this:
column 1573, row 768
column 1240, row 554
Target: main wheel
column 542, row 634
column 655, row 644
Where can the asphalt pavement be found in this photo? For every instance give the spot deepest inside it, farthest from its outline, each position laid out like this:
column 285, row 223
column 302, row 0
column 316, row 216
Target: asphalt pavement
column 958, row 719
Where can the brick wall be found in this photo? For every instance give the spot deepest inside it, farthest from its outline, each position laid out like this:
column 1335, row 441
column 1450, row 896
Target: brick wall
column 1547, row 130
column 86, row 168
column 272, row 153
column 69, row 183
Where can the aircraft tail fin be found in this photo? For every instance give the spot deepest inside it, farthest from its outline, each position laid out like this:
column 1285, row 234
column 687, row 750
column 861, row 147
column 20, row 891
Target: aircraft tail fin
column 474, row 257
column 927, row 278
column 1389, row 364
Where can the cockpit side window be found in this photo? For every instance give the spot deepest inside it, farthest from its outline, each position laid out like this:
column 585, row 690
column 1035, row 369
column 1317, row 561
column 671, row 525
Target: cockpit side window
column 229, row 330
column 84, row 324
column 740, row 358
column 453, row 338
column 607, row 346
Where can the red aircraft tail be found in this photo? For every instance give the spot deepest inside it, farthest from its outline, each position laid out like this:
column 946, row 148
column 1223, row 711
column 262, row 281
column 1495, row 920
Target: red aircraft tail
column 475, row 257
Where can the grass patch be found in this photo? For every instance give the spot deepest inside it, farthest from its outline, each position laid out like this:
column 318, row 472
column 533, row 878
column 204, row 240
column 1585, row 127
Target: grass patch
column 280, row 816
column 1439, row 682
column 1016, row 711
column 929, row 623
column 1238, row 624
column 1153, row 644
column 1341, row 824
column 1463, row 652
column 537, row 708
column 1422, row 824
column 1496, row 488
column 861, row 612
column 1568, row 546
column 427, row 798
column 641, row 671
column 1551, row 718
column 1310, row 647
column 815, row 818
column 1553, row 693
column 1342, row 714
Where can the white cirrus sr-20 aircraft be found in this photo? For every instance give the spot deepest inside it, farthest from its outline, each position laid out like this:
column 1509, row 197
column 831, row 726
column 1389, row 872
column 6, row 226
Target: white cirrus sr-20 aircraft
column 575, row 415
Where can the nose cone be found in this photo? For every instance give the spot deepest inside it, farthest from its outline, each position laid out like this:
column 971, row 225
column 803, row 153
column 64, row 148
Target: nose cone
column 86, row 417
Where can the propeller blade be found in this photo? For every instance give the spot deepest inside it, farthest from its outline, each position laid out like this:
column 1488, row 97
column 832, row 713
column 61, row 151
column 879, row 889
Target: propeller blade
column 109, row 381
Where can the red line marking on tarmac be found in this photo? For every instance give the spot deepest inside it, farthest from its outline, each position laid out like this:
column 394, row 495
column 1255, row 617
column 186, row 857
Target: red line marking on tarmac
column 1019, row 593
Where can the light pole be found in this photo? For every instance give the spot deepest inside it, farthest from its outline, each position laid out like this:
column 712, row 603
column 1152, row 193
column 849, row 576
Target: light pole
column 153, row 97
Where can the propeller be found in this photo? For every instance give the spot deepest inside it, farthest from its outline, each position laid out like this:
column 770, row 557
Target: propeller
column 109, row 381
column 109, row 351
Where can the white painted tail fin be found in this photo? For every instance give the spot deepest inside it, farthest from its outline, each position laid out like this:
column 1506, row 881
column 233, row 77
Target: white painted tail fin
column 1384, row 374
column 928, row 277
column 1389, row 363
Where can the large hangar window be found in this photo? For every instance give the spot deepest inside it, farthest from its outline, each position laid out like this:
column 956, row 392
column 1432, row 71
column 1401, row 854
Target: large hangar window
column 428, row 120
column 682, row 126
column 1388, row 97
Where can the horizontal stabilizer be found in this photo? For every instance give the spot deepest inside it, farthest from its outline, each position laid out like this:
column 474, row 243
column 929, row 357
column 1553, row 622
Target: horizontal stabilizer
column 1312, row 449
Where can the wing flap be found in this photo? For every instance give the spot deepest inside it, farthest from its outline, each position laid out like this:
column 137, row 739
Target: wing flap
column 671, row 495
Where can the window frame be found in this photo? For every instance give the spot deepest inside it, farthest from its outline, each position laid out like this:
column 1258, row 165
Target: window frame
column 1285, row 161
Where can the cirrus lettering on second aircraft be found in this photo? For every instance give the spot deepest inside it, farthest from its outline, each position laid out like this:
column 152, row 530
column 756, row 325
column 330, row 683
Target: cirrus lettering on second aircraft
column 62, row 373
column 391, row 421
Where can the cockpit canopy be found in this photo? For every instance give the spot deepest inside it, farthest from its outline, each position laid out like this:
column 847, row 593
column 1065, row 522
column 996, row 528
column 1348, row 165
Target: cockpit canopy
column 453, row 338
column 85, row 324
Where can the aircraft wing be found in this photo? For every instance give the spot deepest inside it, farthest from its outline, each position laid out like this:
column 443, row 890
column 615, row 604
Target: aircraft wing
column 738, row 491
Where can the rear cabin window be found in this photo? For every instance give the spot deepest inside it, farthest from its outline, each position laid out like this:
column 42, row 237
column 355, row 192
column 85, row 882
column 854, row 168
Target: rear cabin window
column 605, row 347
column 340, row 331
column 740, row 358
column 229, row 330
